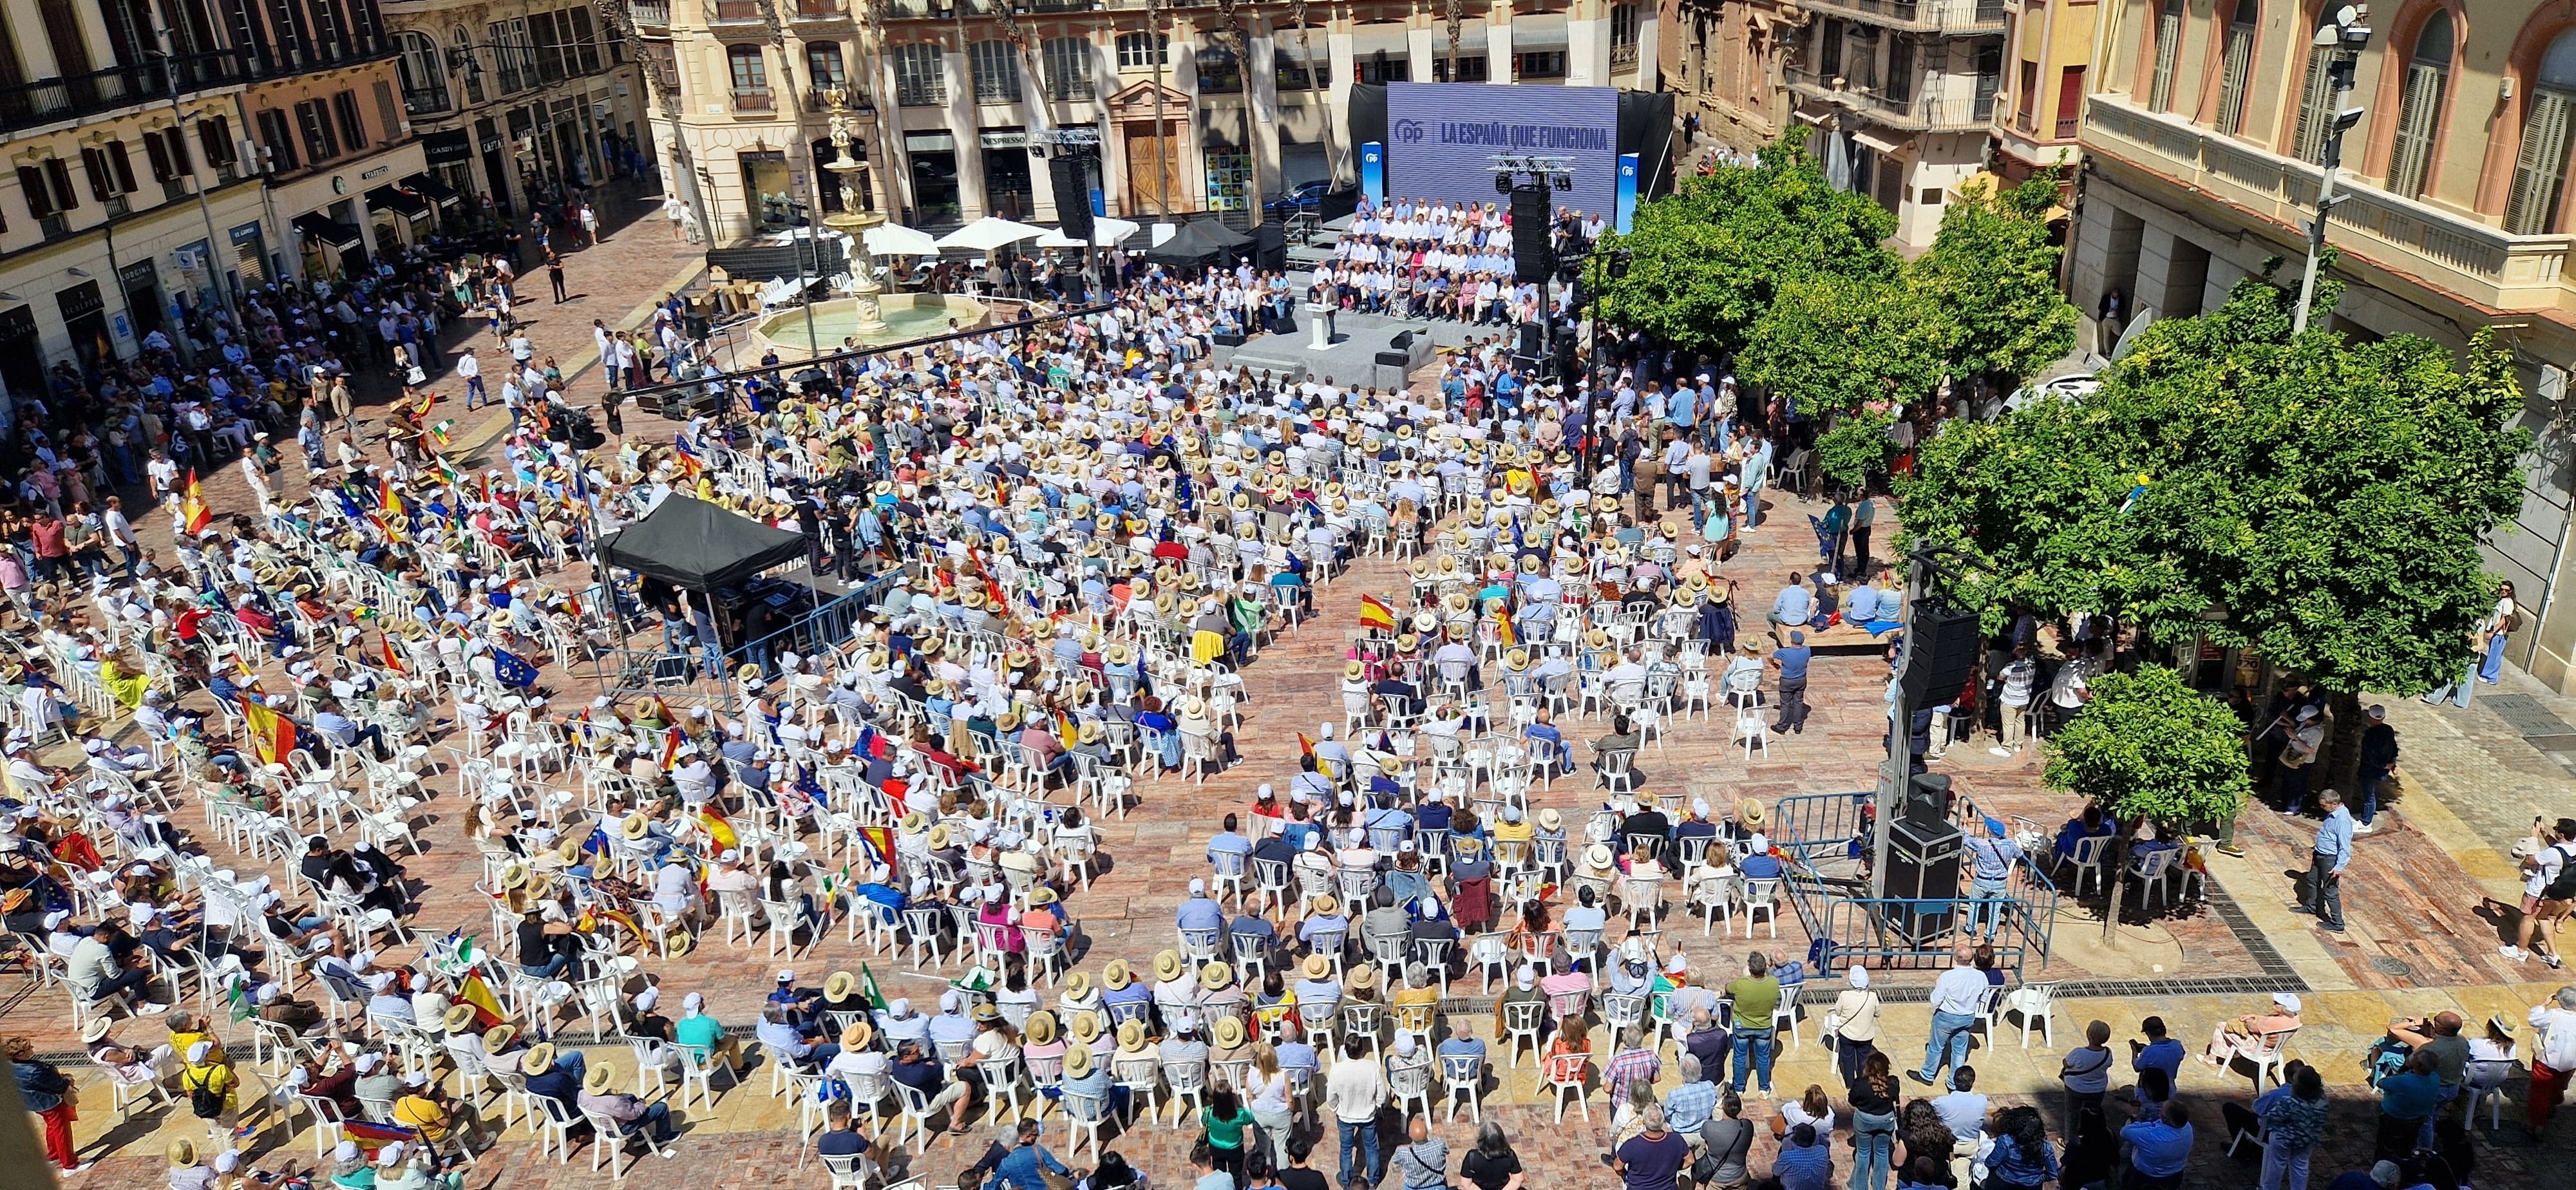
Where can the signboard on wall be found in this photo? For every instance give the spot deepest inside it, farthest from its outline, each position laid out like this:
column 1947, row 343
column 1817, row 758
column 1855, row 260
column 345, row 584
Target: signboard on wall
column 1441, row 139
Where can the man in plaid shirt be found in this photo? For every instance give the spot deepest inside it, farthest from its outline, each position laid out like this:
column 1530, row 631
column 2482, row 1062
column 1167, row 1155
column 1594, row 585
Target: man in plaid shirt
column 1634, row 1063
column 1688, row 1106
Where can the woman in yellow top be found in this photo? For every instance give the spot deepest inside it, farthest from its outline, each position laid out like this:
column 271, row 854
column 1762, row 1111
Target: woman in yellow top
column 423, row 1107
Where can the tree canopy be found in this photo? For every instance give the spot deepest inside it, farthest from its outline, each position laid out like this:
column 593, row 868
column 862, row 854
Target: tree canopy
column 1990, row 281
column 2149, row 747
column 2318, row 501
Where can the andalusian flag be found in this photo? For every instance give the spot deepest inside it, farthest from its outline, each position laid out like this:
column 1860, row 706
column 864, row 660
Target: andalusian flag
column 272, row 735
column 237, row 995
column 1374, row 613
column 487, row 1008
column 718, row 829
column 868, row 988
column 193, row 506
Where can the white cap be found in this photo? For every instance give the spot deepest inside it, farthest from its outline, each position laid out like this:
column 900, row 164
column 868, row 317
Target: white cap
column 2285, row 1001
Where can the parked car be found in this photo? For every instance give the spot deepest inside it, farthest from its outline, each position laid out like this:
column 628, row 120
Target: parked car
column 1304, row 196
column 2071, row 387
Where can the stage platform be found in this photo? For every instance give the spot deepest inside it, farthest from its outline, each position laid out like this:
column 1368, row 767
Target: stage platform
column 1353, row 357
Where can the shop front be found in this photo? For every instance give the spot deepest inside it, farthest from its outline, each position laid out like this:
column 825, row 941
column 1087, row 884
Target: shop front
column 1008, row 190
column 141, row 281
column 934, row 178
column 84, row 312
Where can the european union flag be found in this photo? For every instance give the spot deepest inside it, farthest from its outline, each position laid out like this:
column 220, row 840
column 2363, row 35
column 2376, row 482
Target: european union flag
column 512, row 671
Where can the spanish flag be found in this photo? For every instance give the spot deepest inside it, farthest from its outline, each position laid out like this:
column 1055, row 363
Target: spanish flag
column 1374, row 613
column 272, row 735
column 1503, row 628
column 1305, row 744
column 391, row 662
column 388, row 499
column 670, row 747
column 478, row 995
column 718, row 830
column 193, row 506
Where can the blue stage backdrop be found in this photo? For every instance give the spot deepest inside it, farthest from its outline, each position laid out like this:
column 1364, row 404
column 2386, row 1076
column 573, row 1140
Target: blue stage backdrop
column 1440, row 138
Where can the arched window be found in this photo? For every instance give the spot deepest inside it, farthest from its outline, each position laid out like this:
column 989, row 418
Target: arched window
column 2316, row 107
column 2540, row 167
column 2419, row 109
column 2168, row 45
column 2236, row 66
column 424, row 75
column 994, row 67
column 1068, row 68
column 461, row 51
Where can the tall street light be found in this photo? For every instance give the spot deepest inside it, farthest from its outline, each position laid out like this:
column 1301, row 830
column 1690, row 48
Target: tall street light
column 2341, row 39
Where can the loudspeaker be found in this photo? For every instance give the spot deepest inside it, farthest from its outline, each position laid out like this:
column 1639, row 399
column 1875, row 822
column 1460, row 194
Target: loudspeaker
column 1925, row 799
column 1944, row 651
column 1533, row 207
column 1072, row 177
column 1533, row 340
column 1923, row 868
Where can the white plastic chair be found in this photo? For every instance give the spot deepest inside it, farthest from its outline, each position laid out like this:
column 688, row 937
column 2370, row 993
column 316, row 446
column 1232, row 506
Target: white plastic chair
column 2032, row 1001
column 1462, row 1077
column 1761, row 896
column 1565, row 1073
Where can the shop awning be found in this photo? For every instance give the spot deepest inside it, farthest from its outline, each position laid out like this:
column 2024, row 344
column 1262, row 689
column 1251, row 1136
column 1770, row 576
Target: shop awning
column 434, row 190
column 323, row 229
column 404, row 203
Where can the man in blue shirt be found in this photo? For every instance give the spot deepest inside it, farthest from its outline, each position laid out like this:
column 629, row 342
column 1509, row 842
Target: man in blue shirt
column 2406, row 1100
column 1791, row 662
column 2157, row 1052
column 1027, row 1165
column 1200, row 912
column 2158, row 1149
column 1803, row 1162
column 1793, row 605
column 1993, row 856
column 2323, row 895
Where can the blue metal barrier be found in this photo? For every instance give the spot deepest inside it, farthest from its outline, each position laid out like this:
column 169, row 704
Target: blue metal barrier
column 1818, row 832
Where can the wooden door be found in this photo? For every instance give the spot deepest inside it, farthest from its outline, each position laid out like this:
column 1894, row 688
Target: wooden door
column 1145, row 183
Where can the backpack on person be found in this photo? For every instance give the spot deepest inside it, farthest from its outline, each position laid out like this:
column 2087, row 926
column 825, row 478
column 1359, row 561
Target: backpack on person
column 2561, row 887
column 203, row 1099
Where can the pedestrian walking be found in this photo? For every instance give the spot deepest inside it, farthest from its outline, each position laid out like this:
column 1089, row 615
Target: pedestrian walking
column 555, row 277
column 2332, row 853
column 2553, row 1058
column 1791, row 664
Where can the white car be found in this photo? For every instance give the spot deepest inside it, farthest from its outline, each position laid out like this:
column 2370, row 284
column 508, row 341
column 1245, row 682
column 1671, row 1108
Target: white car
column 2071, row 387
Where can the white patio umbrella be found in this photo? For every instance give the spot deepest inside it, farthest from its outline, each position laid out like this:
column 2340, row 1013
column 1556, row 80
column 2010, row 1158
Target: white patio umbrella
column 989, row 233
column 894, row 239
column 1109, row 231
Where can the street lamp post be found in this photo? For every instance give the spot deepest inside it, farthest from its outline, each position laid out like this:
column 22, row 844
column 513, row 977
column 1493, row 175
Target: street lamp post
column 2341, row 37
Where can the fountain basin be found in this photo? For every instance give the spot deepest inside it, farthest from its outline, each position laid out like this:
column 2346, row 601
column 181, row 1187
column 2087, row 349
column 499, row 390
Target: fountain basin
column 907, row 316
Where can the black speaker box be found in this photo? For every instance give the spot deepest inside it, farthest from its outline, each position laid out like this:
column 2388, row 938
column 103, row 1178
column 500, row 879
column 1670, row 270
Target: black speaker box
column 1926, row 798
column 1923, row 867
column 1943, row 650
column 1533, row 207
column 1072, row 195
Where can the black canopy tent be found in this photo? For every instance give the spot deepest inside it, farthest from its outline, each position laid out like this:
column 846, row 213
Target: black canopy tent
column 698, row 546
column 1198, row 241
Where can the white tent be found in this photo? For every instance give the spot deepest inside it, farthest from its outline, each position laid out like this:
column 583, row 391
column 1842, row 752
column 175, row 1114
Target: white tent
column 894, row 239
column 1108, row 230
column 988, row 233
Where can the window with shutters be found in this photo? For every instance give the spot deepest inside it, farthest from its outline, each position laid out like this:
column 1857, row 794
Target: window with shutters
column 47, row 188
column 330, row 33
column 920, row 76
column 1068, row 68
column 353, row 125
column 2419, row 108
column 2316, row 108
column 277, row 135
column 1140, row 51
column 823, row 65
column 111, row 175
column 750, row 73
column 215, row 140
column 2160, row 79
column 549, row 45
column 424, row 75
column 2540, row 165
column 2236, row 67
column 321, row 140
column 995, row 68
column 577, row 26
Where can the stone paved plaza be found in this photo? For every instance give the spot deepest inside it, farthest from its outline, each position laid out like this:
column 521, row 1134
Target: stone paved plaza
column 2471, row 779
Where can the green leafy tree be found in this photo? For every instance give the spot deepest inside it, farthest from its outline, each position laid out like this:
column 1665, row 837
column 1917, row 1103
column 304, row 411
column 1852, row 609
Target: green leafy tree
column 2148, row 747
column 1991, row 281
column 1838, row 343
column 1706, row 261
column 2317, row 501
column 1856, row 447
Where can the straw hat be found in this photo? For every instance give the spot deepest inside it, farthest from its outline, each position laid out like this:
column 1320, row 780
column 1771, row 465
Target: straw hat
column 1077, row 1060
column 183, row 1152
column 1041, row 1026
column 1229, row 1031
column 914, row 820
column 1167, row 966
column 1353, row 671
column 498, row 1038
column 860, row 1035
column 1364, row 977
column 1215, row 976
column 1119, row 653
column 539, row 1059
column 1131, row 1037
column 458, row 1018
column 1516, row 660
column 96, row 1030
column 939, row 836
column 634, row 825
column 514, row 874
column 1598, row 856
column 1085, row 1028
column 1327, row 905
column 1750, row 810
column 839, row 984
column 1318, row 967
column 1550, row 820
column 1041, row 896
column 1077, row 985
column 600, row 1078
column 1089, row 732
column 1115, row 976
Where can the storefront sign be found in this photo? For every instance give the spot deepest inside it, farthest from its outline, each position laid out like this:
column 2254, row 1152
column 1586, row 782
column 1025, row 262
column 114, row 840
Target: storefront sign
column 247, row 233
column 451, row 147
column 377, row 172
column 1011, row 138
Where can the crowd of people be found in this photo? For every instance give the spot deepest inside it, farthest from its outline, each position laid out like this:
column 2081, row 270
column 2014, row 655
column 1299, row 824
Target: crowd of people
column 1420, row 259
column 1074, row 540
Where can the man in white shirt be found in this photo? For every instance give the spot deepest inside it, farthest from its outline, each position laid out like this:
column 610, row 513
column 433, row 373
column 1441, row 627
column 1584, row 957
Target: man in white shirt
column 2553, row 1057
column 1354, row 1091
column 472, row 370
column 1957, row 998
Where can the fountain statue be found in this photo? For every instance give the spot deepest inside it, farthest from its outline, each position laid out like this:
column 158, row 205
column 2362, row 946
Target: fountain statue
column 854, row 224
